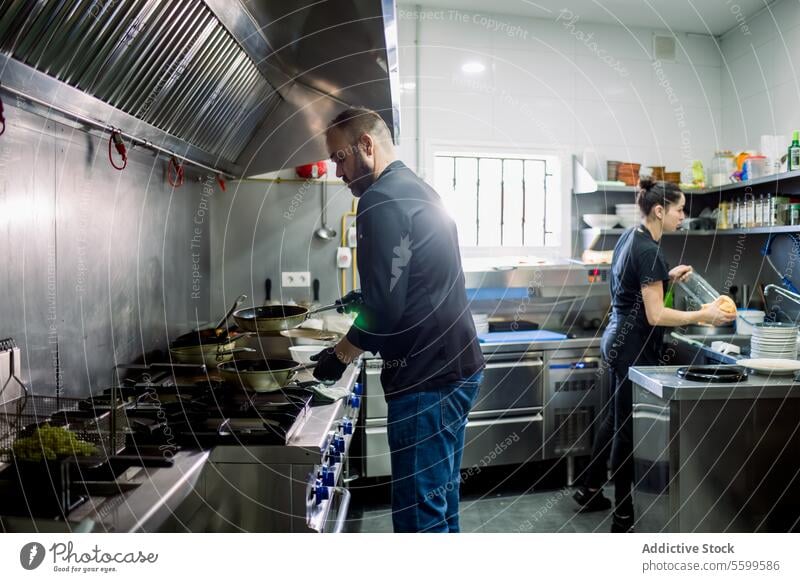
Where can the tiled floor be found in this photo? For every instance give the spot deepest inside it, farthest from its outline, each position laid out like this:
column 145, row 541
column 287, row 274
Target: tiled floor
column 512, row 506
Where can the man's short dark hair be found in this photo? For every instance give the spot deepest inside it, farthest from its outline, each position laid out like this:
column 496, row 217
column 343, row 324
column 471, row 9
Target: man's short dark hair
column 356, row 121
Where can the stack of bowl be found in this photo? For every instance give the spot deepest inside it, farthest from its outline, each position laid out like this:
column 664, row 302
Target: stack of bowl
column 628, row 214
column 481, row 322
column 774, row 340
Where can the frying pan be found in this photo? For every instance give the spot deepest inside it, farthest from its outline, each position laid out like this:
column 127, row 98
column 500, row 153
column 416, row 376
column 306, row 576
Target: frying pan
column 209, row 346
column 277, row 317
column 260, row 375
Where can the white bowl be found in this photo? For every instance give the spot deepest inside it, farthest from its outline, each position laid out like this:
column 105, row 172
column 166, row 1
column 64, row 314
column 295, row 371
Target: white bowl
column 302, row 354
column 601, row 220
column 629, row 221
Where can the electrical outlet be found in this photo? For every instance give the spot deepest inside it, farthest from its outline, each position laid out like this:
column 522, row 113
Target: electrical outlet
column 296, row 278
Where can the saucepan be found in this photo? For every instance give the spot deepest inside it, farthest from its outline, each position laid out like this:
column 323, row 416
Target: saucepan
column 260, row 375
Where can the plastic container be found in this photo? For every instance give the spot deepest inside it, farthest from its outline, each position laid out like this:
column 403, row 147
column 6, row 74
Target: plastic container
column 747, row 319
column 698, row 290
column 721, row 167
column 754, row 167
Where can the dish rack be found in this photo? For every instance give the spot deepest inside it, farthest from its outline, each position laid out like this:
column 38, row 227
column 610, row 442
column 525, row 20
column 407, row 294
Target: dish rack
column 20, row 416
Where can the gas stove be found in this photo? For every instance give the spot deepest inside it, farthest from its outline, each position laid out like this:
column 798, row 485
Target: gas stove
column 182, row 408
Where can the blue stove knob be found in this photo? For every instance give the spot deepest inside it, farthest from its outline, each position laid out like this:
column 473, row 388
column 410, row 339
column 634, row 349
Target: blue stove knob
column 355, row 401
column 358, row 389
column 329, row 479
column 333, row 455
column 320, row 492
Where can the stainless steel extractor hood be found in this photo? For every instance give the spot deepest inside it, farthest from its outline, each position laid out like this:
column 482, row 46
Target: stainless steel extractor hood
column 244, row 87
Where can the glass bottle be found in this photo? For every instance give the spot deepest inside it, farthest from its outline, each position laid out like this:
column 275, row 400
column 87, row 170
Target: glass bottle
column 722, row 216
column 793, row 153
column 750, row 211
column 758, row 219
column 737, row 213
column 769, row 211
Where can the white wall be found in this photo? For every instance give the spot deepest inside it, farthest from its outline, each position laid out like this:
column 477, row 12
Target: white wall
column 760, row 90
column 546, row 84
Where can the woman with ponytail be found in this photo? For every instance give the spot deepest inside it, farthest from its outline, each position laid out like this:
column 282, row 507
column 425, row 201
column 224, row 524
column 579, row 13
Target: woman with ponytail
column 639, row 276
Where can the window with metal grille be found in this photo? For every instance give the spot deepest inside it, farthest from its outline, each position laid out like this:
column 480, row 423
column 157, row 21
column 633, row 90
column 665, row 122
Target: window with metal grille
column 500, row 200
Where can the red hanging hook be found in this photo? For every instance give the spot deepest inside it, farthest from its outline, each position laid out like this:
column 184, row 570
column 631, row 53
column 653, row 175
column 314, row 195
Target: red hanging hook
column 221, row 182
column 2, row 118
column 116, row 140
column 175, row 165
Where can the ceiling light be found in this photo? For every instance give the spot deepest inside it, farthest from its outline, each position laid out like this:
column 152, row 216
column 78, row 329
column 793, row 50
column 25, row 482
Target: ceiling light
column 473, row 67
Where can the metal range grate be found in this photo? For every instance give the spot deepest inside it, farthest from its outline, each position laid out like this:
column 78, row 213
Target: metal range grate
column 170, row 63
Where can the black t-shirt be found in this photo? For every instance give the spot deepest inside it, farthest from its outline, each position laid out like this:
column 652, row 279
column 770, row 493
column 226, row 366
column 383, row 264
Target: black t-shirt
column 415, row 310
column 637, row 261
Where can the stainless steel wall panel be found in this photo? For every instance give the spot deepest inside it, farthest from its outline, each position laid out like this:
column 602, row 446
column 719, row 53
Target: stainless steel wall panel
column 98, row 264
column 125, row 260
column 28, row 309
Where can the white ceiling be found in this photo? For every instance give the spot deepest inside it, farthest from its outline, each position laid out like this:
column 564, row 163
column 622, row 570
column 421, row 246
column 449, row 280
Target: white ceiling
column 699, row 16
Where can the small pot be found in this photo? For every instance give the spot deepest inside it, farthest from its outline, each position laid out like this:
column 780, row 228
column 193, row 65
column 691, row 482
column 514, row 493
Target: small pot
column 259, row 375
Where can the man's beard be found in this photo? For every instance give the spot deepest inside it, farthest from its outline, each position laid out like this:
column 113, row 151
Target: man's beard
column 363, row 179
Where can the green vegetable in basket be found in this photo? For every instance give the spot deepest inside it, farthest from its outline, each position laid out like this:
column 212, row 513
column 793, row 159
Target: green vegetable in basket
column 50, row 442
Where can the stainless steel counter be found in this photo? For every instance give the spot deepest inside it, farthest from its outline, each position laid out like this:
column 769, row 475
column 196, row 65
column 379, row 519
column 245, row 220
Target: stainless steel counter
column 715, row 457
column 167, row 495
column 143, row 509
column 663, row 382
column 588, row 341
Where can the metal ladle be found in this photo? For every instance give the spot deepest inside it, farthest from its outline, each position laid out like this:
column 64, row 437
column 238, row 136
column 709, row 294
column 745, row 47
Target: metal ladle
column 323, row 232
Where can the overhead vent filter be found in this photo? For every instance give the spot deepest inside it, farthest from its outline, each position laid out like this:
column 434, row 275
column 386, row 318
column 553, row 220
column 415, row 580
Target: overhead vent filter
column 170, row 63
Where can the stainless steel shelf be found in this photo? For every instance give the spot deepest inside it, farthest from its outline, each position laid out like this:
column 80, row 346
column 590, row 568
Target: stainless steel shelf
column 755, row 230
column 776, row 179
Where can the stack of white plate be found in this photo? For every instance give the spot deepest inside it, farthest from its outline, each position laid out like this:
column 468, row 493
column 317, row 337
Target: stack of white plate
column 629, row 214
column 481, row 322
column 774, row 340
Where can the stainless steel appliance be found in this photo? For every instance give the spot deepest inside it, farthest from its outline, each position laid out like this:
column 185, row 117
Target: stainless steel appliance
column 573, row 399
column 504, row 428
column 294, row 486
column 228, row 460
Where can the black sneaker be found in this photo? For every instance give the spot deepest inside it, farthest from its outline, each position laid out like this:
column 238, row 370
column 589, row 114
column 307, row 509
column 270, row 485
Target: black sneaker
column 622, row 523
column 591, row 500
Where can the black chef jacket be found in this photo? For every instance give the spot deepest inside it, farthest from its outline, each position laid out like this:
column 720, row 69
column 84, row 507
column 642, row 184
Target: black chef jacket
column 629, row 339
column 415, row 311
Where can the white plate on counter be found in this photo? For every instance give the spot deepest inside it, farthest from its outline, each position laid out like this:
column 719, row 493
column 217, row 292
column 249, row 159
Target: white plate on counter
column 774, row 366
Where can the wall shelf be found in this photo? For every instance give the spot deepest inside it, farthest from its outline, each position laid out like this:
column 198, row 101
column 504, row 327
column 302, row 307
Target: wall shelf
column 755, row 230
column 775, row 180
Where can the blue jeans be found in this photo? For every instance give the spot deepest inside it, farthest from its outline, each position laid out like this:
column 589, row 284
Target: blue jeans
column 426, row 442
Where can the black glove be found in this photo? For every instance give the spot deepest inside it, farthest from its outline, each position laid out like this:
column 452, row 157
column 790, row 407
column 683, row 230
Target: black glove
column 350, row 301
column 329, row 367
